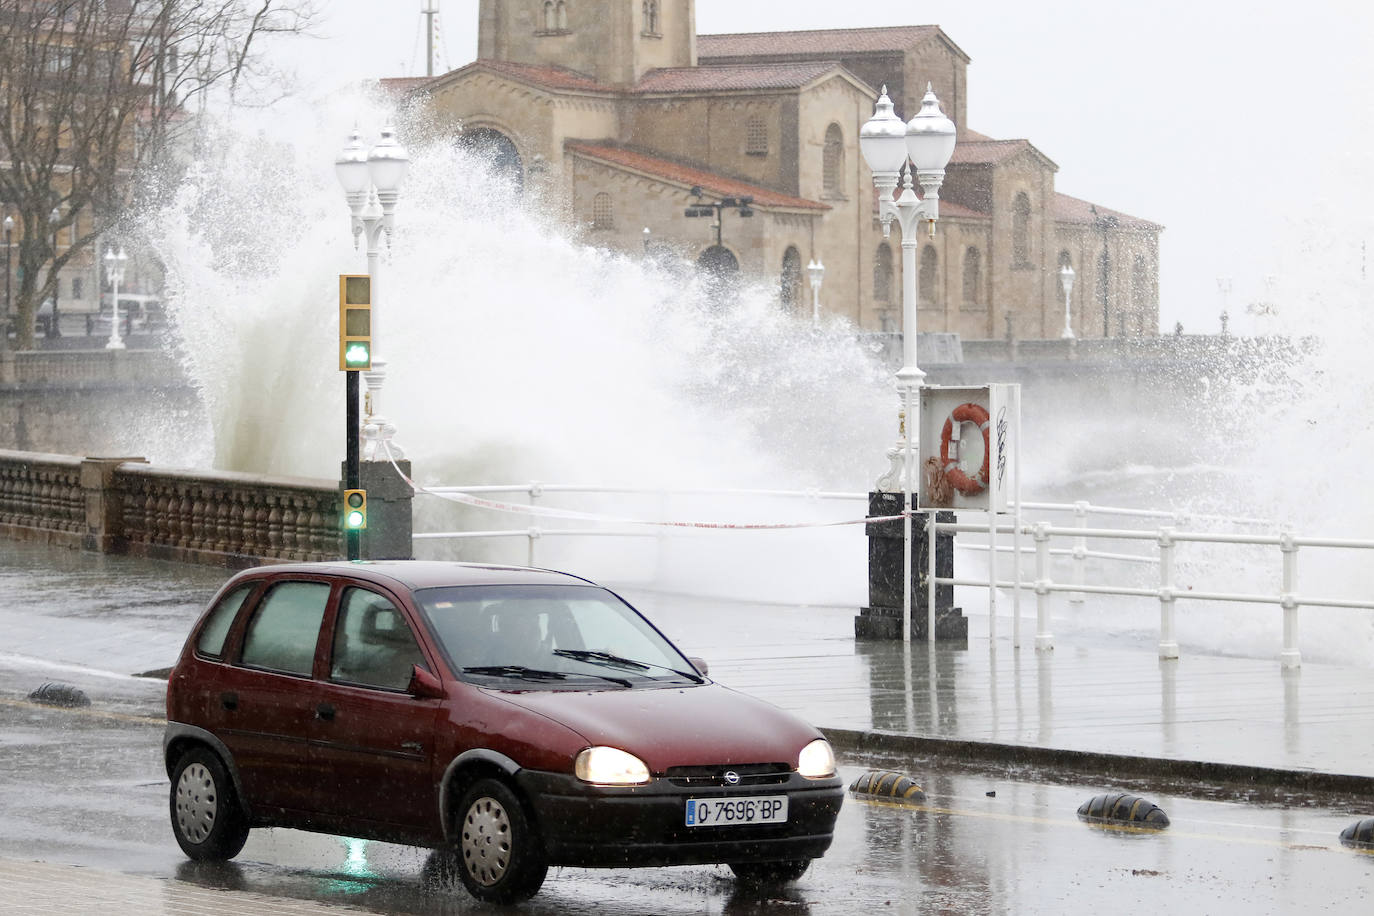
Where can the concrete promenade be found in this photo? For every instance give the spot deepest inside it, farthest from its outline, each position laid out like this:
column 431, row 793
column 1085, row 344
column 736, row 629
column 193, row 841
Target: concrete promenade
column 1109, row 713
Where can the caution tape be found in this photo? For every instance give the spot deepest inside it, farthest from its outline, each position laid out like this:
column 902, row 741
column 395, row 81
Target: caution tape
column 478, row 502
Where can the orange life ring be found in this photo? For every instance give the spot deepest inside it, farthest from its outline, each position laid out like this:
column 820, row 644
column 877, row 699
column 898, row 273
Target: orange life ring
column 966, row 413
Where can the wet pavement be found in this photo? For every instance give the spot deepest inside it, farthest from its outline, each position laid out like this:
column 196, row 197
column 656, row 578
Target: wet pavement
column 83, row 827
column 83, row 793
column 1104, row 699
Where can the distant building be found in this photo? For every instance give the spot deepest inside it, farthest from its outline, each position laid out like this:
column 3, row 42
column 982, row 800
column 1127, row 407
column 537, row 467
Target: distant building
column 619, row 109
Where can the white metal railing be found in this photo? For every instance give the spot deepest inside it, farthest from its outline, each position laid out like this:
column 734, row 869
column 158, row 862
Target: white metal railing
column 1164, row 538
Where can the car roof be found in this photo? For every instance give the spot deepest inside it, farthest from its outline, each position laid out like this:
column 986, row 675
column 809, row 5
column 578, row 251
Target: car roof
column 417, row 574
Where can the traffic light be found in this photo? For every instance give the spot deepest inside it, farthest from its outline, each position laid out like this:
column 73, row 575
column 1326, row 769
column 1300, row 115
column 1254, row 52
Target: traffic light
column 355, row 322
column 355, row 510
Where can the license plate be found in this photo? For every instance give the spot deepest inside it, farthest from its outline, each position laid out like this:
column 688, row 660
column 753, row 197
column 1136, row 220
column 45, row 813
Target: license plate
column 734, row 812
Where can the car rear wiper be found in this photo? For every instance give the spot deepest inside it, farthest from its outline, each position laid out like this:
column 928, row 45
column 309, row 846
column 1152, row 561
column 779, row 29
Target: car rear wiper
column 606, row 658
column 536, row 674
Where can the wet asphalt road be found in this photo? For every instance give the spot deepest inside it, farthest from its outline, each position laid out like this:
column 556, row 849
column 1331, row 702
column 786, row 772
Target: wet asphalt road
column 86, row 787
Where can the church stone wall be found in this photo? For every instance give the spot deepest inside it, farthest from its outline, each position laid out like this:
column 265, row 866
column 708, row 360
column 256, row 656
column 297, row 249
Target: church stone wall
column 839, row 102
column 535, row 121
column 610, row 41
column 714, row 132
column 1021, row 288
column 1131, row 308
column 675, row 128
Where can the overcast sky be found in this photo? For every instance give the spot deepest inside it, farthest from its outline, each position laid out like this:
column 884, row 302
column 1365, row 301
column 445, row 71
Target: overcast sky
column 1244, row 128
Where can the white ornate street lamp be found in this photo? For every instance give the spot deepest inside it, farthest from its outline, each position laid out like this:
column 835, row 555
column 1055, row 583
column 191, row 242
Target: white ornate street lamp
column 5, row 324
column 923, row 146
column 372, row 185
column 54, row 320
column 1066, row 278
column 816, row 272
column 114, row 272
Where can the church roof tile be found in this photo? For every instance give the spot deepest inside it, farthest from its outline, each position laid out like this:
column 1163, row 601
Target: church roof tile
column 689, row 176
column 548, row 77
column 987, row 151
column 734, row 76
column 817, row 41
column 1068, row 209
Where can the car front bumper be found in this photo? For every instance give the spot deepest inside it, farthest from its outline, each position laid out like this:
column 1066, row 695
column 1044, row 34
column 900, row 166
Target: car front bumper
column 598, row 826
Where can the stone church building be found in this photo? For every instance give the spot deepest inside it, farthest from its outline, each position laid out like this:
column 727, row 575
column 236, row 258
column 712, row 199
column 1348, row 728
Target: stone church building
column 621, row 112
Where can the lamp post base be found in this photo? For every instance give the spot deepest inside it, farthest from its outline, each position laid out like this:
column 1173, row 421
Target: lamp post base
column 389, row 527
column 882, row 619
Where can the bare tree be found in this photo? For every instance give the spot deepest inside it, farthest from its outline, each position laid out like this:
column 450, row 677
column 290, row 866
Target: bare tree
column 94, row 92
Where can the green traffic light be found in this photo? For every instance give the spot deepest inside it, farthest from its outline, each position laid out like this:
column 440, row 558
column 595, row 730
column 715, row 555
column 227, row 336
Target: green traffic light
column 355, row 510
column 357, row 353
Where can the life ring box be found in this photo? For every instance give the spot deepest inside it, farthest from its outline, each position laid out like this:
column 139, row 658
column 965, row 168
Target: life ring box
column 968, row 446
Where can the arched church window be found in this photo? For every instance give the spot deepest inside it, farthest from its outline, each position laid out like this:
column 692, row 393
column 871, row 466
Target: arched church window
column 550, row 20
column 832, row 162
column 756, row 140
column 882, row 273
column 719, row 270
column 791, row 279
column 651, row 17
column 562, row 15
column 973, row 276
column 603, row 212
column 498, row 153
column 1020, row 231
column 929, row 281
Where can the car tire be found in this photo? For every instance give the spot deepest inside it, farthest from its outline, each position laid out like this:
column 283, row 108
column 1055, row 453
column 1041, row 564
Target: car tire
column 770, row 873
column 207, row 818
column 500, row 857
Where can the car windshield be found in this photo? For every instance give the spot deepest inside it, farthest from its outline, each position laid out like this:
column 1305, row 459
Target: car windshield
column 549, row 635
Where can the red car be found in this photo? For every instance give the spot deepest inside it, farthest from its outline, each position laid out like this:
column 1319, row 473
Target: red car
column 516, row 718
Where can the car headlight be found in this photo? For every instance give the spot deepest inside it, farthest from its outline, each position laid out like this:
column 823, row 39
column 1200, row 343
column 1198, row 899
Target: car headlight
column 609, row 766
column 817, row 760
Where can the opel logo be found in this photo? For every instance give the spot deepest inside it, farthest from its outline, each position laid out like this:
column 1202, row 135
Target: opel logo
column 732, row 777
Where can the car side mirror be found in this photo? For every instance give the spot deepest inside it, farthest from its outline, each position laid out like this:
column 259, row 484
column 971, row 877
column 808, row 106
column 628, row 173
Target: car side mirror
column 700, row 664
column 425, row 685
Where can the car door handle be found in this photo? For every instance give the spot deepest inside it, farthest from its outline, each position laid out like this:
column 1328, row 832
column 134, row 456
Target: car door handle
column 229, row 700
column 324, row 712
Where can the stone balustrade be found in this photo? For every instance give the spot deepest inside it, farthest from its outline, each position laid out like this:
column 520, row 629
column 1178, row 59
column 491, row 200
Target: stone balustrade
column 41, row 497
column 123, row 505
column 95, row 366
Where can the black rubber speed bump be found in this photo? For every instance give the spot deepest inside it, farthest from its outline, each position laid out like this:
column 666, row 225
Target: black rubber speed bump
column 1359, row 834
column 1119, row 808
column 888, row 785
column 52, row 694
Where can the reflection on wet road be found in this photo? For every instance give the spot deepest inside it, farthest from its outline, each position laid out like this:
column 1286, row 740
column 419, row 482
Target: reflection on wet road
column 86, row 787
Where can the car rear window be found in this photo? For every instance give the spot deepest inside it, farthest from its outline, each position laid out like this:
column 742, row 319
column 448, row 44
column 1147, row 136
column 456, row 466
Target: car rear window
column 216, row 628
column 283, row 633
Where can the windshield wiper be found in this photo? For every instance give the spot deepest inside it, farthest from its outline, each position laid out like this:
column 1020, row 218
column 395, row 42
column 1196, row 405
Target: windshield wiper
column 606, row 658
column 516, row 671
column 536, row 674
